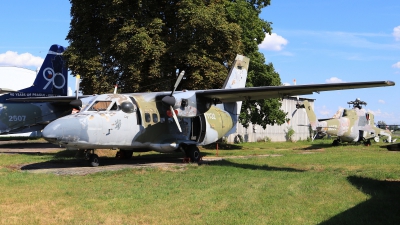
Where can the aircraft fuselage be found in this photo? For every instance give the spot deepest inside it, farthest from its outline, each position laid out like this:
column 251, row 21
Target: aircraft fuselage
column 104, row 123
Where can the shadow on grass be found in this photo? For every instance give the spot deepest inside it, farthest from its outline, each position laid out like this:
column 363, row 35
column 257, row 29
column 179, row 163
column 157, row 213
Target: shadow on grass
column 252, row 167
column 392, row 147
column 65, row 159
column 222, row 146
column 383, row 207
column 70, row 159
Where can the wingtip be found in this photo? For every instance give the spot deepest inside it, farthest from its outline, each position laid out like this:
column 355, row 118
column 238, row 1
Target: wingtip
column 390, row 83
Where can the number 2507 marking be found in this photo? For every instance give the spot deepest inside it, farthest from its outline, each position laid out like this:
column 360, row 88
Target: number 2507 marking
column 16, row 118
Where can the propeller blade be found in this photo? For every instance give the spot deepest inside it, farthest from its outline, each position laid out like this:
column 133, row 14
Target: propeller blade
column 115, row 88
column 175, row 118
column 178, row 81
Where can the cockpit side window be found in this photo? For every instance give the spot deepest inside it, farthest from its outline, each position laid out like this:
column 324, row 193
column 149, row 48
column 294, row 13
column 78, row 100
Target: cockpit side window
column 100, row 106
column 114, row 107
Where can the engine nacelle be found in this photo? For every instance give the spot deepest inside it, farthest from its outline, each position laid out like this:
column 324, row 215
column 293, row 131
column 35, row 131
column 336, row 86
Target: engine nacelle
column 187, row 104
column 211, row 126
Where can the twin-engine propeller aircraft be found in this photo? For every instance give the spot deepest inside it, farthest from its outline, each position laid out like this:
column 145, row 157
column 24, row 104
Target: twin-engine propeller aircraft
column 51, row 80
column 348, row 125
column 169, row 121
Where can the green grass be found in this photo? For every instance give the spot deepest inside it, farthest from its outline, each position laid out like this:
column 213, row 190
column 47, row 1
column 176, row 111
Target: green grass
column 308, row 183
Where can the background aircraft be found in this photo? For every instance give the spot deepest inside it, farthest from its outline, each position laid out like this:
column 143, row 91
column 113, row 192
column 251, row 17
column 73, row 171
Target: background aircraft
column 168, row 121
column 51, row 80
column 348, row 125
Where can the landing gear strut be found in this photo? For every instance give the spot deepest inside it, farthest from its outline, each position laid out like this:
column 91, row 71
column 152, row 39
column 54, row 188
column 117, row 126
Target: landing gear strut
column 92, row 158
column 193, row 152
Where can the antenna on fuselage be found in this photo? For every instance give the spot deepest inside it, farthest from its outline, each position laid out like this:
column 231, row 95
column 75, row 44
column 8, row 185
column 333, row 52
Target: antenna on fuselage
column 115, row 88
column 78, row 81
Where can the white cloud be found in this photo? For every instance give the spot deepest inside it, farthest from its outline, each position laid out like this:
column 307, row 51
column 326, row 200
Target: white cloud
column 69, row 91
column 376, row 112
column 273, row 42
column 334, row 80
column 396, row 65
column 396, row 33
column 11, row 58
column 381, row 101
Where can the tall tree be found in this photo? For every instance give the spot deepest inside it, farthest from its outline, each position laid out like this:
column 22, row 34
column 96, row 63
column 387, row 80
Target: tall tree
column 141, row 44
column 246, row 13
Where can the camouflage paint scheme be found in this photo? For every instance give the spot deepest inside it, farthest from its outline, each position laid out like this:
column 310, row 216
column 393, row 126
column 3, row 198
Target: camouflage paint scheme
column 51, row 80
column 144, row 121
column 349, row 125
column 148, row 126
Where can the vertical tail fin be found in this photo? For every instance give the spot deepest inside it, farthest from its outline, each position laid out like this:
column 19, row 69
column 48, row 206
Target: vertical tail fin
column 236, row 79
column 311, row 115
column 238, row 74
column 52, row 77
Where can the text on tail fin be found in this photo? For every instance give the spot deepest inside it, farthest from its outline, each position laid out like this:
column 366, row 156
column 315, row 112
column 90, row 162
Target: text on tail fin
column 52, row 78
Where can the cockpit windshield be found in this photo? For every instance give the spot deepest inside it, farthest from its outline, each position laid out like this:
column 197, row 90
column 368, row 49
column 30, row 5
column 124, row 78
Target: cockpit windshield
column 100, row 106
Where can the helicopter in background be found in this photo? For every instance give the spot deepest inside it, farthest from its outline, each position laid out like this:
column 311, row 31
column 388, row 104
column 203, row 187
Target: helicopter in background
column 348, row 125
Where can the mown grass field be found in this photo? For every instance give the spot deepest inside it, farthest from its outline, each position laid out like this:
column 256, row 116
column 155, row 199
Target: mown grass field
column 296, row 183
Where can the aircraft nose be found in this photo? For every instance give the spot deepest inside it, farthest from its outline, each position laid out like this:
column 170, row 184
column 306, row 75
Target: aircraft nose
column 62, row 131
column 52, row 131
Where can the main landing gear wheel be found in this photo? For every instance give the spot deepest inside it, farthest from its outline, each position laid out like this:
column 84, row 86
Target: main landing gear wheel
column 193, row 152
column 367, row 142
column 335, row 143
column 92, row 158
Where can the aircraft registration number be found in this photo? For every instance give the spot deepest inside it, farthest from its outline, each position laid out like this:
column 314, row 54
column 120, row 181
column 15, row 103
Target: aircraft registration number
column 210, row 116
column 16, row 118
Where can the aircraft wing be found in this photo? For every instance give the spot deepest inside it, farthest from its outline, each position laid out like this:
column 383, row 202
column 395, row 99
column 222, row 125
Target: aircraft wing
column 6, row 90
column 254, row 93
column 58, row 99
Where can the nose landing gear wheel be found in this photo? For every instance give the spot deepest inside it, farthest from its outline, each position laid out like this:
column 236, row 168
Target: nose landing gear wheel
column 94, row 160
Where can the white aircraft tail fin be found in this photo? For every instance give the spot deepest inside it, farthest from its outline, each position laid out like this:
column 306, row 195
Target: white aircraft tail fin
column 238, row 74
column 311, row 115
column 237, row 77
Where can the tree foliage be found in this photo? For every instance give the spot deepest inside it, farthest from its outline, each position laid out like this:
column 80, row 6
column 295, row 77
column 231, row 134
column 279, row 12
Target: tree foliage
column 141, row 44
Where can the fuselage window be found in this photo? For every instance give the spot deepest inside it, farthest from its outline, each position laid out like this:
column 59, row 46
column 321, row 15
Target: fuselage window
column 100, row 106
column 155, row 118
column 147, row 117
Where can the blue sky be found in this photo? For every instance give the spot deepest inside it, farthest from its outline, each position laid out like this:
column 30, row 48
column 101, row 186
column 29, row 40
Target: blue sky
column 312, row 42
column 338, row 41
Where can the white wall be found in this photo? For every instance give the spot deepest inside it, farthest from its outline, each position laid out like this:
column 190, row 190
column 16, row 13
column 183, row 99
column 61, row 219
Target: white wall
column 278, row 133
